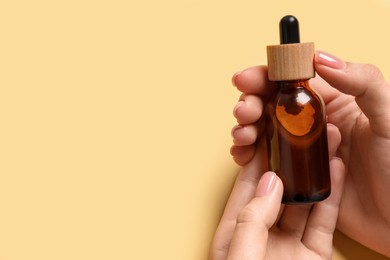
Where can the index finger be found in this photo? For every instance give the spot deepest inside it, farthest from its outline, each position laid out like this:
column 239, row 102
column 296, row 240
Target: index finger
column 253, row 80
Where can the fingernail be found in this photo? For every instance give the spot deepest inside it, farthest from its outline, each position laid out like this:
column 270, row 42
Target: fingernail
column 329, row 60
column 266, row 184
column 235, row 128
column 234, row 78
column 237, row 107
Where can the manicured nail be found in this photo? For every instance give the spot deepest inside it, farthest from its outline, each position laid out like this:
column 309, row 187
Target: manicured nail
column 237, row 107
column 329, row 60
column 235, row 128
column 234, row 78
column 266, row 184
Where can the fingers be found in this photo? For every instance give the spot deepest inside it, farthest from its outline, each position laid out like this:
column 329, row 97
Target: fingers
column 253, row 80
column 242, row 154
column 244, row 134
column 248, row 110
column 323, row 88
column 294, row 217
column 251, row 231
column 253, row 83
column 243, row 191
column 321, row 224
column 334, row 139
column 363, row 81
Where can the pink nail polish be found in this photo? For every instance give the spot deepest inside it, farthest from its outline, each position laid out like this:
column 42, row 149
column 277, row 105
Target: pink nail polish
column 266, row 184
column 329, row 60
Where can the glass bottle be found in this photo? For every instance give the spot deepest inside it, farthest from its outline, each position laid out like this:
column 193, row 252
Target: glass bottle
column 297, row 142
column 296, row 120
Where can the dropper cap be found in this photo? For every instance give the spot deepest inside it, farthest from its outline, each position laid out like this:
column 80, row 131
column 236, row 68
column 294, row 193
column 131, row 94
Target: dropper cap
column 291, row 60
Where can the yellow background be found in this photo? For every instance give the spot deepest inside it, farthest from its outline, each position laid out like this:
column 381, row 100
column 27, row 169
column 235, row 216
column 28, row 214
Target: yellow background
column 116, row 115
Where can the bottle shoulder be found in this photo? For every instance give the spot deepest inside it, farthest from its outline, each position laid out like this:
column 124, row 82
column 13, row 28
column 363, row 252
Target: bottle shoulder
column 299, row 110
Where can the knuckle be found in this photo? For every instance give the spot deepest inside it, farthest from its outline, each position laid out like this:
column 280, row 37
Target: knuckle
column 250, row 217
column 251, row 180
column 249, row 214
column 374, row 73
column 246, row 215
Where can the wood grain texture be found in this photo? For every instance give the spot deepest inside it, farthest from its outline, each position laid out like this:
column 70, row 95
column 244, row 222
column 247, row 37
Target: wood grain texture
column 290, row 61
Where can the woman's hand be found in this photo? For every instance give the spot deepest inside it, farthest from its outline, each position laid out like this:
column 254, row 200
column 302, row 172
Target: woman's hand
column 357, row 102
column 255, row 225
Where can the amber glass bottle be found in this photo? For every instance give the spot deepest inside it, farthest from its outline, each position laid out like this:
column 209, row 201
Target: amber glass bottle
column 297, row 142
column 295, row 120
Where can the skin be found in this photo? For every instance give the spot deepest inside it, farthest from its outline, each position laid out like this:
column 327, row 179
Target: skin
column 255, row 225
column 357, row 99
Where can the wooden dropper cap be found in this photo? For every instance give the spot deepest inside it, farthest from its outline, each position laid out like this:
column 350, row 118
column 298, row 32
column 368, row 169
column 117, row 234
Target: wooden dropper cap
column 291, row 60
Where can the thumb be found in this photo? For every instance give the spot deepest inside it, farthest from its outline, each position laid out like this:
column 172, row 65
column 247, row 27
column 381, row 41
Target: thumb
column 365, row 82
column 251, row 232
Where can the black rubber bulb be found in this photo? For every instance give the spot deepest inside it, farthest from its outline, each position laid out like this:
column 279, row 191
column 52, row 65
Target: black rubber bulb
column 289, row 30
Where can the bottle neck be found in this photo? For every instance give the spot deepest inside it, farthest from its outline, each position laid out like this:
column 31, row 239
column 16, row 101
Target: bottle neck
column 294, row 84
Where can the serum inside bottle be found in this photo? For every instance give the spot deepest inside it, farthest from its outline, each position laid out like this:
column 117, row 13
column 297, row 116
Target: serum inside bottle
column 295, row 120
